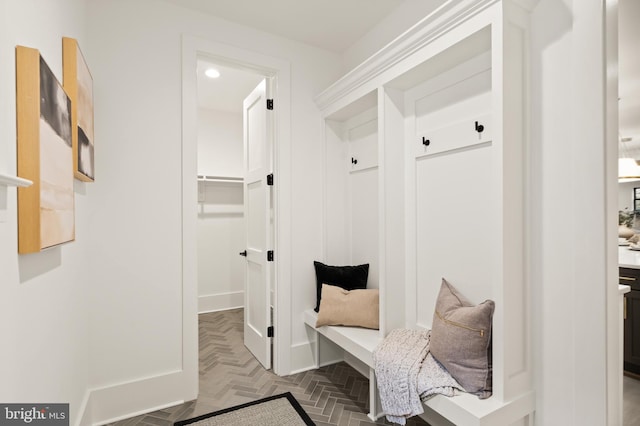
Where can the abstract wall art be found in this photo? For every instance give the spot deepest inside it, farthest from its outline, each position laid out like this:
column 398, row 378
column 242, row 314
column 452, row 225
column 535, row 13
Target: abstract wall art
column 46, row 214
column 78, row 83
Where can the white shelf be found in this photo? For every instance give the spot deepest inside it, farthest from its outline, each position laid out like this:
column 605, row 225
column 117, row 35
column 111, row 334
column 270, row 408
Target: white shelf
column 468, row 409
column 224, row 179
column 7, row 180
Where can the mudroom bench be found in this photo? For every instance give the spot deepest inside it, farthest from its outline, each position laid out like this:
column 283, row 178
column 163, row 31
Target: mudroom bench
column 462, row 410
column 424, row 154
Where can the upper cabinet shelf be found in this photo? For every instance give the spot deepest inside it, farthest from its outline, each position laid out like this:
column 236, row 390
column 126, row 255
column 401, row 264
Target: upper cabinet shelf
column 7, row 180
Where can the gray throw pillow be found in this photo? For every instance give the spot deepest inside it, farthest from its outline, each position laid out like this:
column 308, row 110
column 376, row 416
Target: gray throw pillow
column 461, row 339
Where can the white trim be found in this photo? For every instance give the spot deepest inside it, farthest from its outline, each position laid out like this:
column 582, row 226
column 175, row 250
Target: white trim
column 220, row 302
column 443, row 19
column 139, row 413
column 84, row 413
column 189, row 227
column 303, row 357
column 280, row 70
column 614, row 330
column 124, row 400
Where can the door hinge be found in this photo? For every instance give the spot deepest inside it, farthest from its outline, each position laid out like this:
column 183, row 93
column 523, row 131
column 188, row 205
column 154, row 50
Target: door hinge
column 270, row 331
column 270, row 179
column 269, row 103
column 270, row 256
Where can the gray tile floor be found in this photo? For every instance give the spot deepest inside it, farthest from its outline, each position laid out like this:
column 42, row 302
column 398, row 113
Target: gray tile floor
column 631, row 404
column 334, row 395
column 230, row 375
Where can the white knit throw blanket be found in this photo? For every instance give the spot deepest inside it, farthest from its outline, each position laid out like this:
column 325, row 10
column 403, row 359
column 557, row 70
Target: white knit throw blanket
column 406, row 374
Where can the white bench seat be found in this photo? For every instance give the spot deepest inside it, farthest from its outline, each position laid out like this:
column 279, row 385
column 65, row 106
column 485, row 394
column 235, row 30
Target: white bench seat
column 359, row 342
column 462, row 410
column 468, row 410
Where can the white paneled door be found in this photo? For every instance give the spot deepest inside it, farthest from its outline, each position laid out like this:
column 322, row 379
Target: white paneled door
column 257, row 210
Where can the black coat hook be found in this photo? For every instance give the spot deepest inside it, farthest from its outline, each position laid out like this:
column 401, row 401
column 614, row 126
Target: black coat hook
column 354, row 161
column 479, row 127
column 425, row 141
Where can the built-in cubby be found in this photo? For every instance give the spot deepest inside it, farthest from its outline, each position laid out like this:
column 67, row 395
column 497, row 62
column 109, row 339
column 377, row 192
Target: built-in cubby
column 449, row 170
column 351, row 187
column 425, row 176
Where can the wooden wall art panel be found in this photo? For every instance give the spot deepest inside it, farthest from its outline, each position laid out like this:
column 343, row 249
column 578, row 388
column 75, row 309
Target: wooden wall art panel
column 78, row 83
column 46, row 214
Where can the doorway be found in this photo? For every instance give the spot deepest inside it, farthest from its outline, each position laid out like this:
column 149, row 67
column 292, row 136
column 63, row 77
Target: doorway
column 279, row 72
column 221, row 223
column 235, row 227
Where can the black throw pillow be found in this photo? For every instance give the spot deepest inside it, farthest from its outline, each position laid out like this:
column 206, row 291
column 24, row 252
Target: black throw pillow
column 347, row 277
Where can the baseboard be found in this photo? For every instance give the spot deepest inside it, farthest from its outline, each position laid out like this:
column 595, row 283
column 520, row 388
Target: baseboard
column 220, row 302
column 113, row 403
column 302, row 357
column 84, row 414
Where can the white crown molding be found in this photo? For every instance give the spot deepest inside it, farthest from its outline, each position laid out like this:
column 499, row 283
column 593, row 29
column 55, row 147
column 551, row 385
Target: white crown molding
column 528, row 5
column 429, row 28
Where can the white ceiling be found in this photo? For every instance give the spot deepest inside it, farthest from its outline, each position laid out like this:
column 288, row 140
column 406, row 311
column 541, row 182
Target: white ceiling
column 226, row 92
column 334, row 25
column 329, row 24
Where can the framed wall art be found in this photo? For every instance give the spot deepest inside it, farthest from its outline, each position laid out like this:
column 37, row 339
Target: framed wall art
column 46, row 215
column 78, row 83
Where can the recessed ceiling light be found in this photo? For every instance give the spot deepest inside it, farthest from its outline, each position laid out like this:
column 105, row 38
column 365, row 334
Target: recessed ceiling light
column 212, row 73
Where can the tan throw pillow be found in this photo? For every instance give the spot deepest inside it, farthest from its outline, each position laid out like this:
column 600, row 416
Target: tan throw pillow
column 461, row 339
column 357, row 308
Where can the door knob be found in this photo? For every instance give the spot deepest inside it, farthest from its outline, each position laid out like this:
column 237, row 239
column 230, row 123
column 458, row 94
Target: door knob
column 243, row 253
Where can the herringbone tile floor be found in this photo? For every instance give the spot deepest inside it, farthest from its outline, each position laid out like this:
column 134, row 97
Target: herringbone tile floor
column 230, row 375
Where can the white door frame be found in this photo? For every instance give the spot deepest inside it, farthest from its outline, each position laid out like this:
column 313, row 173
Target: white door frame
column 192, row 48
column 614, row 330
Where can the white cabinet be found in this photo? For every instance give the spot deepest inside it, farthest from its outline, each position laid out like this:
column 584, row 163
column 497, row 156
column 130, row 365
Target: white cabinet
column 425, row 178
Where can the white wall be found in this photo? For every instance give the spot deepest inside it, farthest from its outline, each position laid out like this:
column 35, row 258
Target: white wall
column 219, row 143
column 409, row 13
column 221, row 226
column 136, row 294
column 221, row 236
column 43, row 296
column 568, row 277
